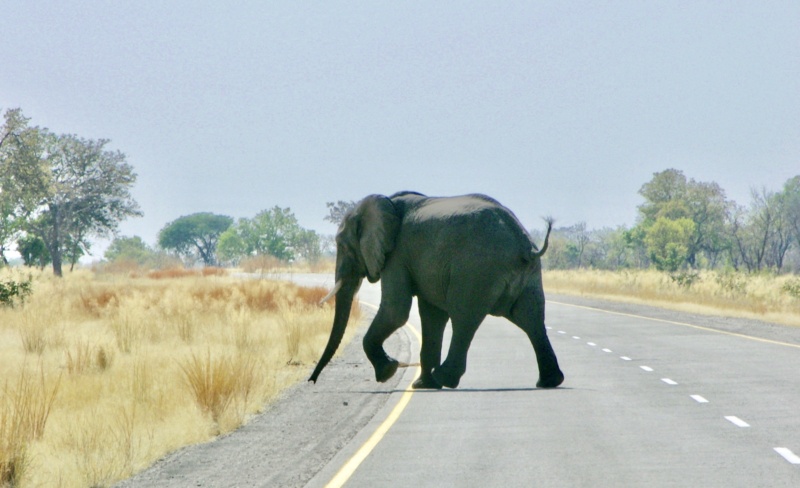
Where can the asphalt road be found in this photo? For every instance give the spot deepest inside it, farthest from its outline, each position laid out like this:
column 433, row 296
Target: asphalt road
column 651, row 398
column 645, row 403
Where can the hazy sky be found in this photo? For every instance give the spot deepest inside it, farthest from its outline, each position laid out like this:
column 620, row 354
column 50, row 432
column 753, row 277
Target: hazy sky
column 554, row 108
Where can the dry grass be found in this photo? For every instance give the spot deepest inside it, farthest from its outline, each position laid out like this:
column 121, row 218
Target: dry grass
column 762, row 297
column 24, row 409
column 132, row 368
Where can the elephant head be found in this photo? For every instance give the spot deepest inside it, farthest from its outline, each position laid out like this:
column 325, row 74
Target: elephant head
column 364, row 240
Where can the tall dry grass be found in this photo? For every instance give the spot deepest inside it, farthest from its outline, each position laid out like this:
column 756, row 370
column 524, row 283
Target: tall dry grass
column 130, row 368
column 762, row 296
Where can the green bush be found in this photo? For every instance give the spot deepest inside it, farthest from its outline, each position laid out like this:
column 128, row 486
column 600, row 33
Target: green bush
column 14, row 290
column 792, row 287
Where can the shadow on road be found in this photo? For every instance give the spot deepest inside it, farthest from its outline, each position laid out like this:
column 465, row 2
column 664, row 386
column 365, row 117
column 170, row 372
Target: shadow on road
column 442, row 391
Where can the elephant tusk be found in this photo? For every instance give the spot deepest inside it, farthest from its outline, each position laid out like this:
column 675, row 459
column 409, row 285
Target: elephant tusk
column 333, row 292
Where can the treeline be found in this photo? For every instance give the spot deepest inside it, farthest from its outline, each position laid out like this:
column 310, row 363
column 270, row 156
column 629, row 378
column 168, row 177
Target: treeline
column 685, row 224
column 57, row 191
column 212, row 239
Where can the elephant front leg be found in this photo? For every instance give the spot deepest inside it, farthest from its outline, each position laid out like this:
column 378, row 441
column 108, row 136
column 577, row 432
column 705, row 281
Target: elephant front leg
column 386, row 321
column 434, row 321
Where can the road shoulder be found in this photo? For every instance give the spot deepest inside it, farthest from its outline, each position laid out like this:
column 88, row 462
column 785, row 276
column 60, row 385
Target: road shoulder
column 755, row 328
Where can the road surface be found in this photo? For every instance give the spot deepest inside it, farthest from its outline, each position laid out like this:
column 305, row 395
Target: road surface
column 651, row 398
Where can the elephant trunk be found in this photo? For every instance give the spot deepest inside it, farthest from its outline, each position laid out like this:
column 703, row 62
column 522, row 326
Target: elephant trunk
column 344, row 301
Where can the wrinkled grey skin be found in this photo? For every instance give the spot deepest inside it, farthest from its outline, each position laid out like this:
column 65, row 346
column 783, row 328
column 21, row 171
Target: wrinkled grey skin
column 462, row 257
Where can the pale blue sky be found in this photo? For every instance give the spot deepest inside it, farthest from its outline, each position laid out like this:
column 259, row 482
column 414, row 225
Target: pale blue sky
column 554, row 108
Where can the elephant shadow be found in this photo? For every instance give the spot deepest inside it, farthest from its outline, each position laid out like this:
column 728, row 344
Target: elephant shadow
column 461, row 390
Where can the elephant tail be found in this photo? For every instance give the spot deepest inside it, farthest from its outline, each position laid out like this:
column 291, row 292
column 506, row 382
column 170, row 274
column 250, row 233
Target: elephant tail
column 540, row 253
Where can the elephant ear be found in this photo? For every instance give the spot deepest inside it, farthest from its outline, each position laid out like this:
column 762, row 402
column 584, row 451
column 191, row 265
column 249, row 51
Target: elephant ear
column 380, row 223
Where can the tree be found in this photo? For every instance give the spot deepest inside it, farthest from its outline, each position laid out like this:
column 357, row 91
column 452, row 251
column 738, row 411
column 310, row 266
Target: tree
column 667, row 242
column 337, row 211
column 132, row 249
column 24, row 175
column 791, row 197
column 273, row 232
column 33, row 251
column 762, row 234
column 671, row 195
column 87, row 193
column 307, row 245
column 196, row 233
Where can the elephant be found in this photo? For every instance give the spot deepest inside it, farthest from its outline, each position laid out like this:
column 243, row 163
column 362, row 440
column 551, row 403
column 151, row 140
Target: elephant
column 463, row 257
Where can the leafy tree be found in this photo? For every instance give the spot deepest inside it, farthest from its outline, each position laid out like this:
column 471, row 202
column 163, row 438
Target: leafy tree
column 87, row 193
column 667, row 242
column 33, row 251
column 196, row 233
column 132, row 249
column 672, row 196
column 307, row 245
column 273, row 232
column 337, row 211
column 24, row 175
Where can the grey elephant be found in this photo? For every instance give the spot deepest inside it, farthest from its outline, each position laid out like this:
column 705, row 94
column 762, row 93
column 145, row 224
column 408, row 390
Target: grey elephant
column 463, row 258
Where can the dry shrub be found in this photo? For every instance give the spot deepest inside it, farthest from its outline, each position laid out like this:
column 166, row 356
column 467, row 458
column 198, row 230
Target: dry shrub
column 33, row 334
column 127, row 332
column 213, row 271
column 172, row 273
column 119, row 267
column 311, row 295
column 263, row 264
column 96, row 301
column 215, row 382
column 83, row 358
column 24, row 410
column 103, row 444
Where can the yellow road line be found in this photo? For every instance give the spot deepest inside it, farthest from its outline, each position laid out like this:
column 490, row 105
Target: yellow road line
column 684, row 324
column 354, row 462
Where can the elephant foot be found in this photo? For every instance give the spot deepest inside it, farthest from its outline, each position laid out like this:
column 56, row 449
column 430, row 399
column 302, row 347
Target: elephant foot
column 551, row 380
column 426, row 382
column 386, row 371
column 447, row 376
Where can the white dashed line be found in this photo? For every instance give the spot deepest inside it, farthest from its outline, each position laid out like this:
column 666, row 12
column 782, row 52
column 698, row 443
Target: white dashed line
column 607, row 350
column 561, row 332
column 647, row 368
column 698, row 399
column 669, row 381
column 736, row 421
column 788, row 455
column 591, row 344
column 575, row 337
column 625, row 358
column 548, row 327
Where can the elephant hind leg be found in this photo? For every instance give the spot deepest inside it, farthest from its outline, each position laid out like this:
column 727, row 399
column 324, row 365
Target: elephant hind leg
column 450, row 372
column 434, row 321
column 528, row 315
